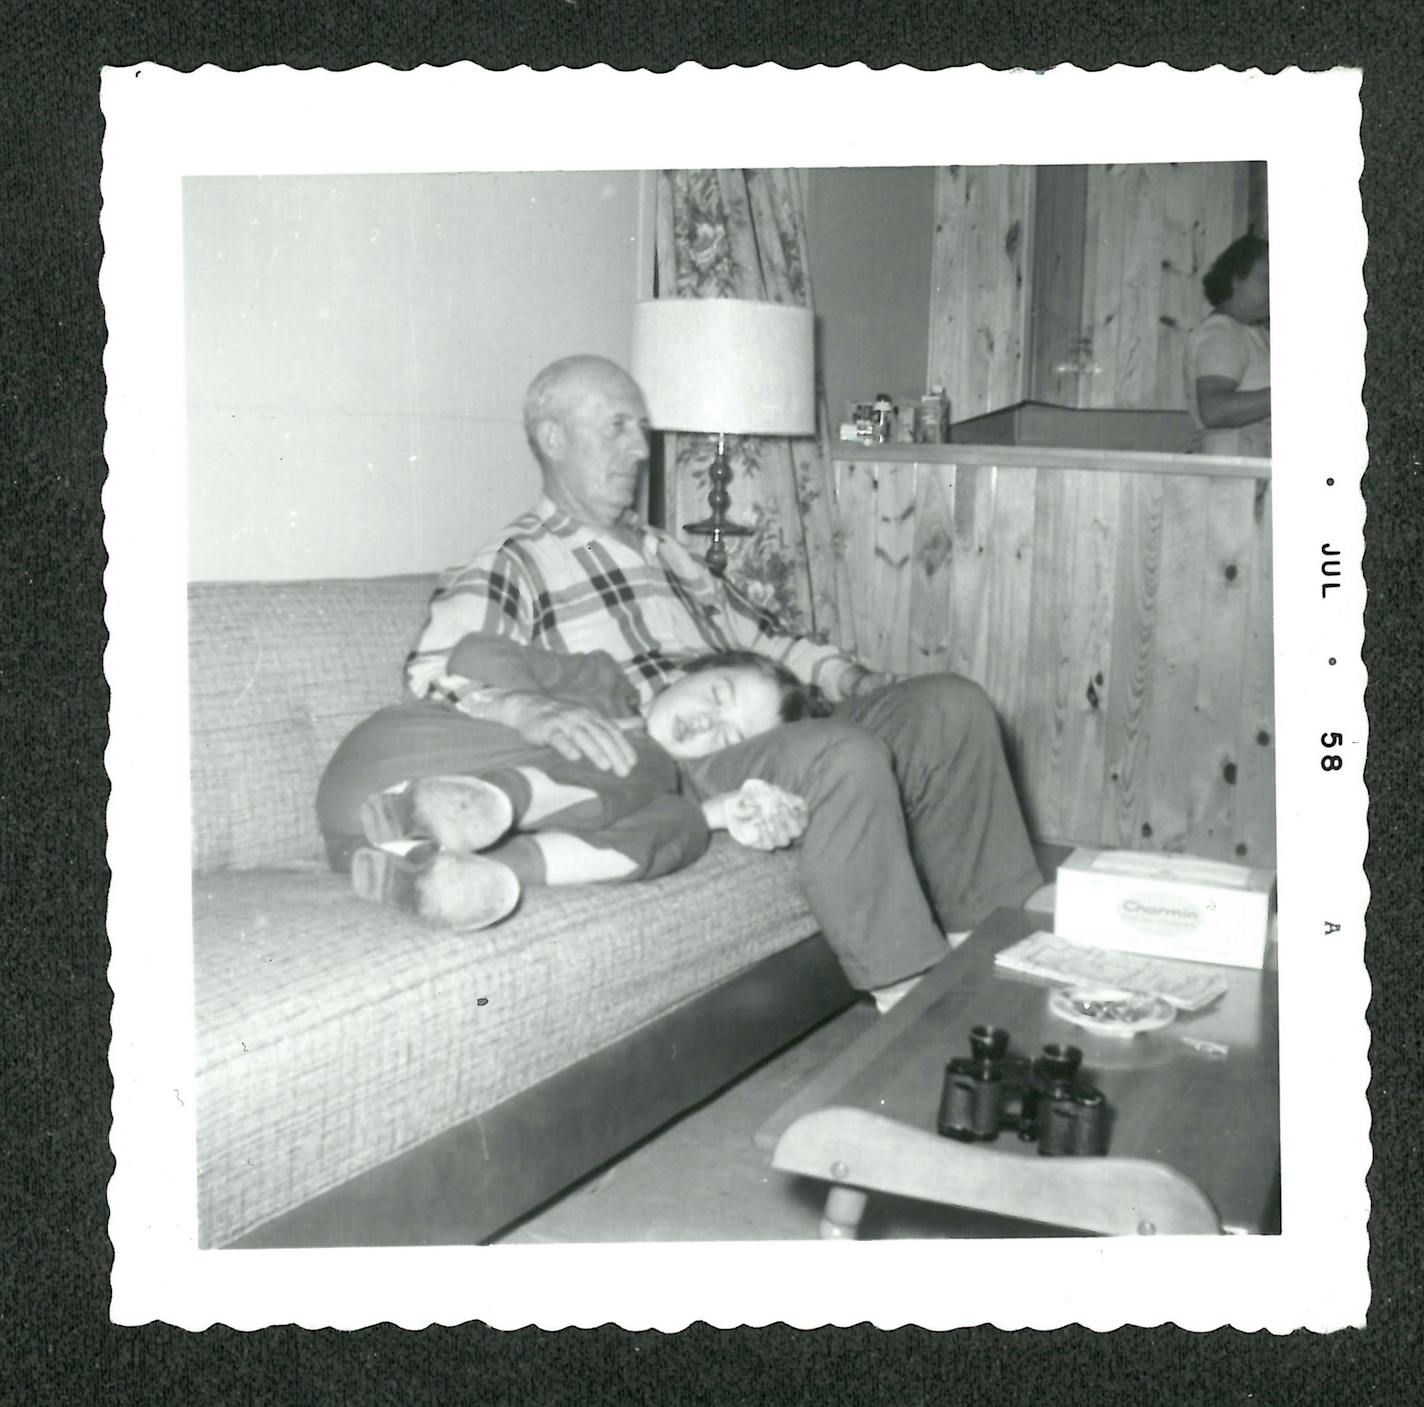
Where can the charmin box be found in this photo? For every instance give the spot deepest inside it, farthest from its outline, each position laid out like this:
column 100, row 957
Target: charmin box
column 1172, row 906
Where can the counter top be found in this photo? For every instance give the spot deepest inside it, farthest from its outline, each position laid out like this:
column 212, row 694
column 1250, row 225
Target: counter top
column 1044, row 457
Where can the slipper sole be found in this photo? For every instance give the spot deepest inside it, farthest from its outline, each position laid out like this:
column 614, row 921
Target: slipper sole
column 453, row 891
column 458, row 813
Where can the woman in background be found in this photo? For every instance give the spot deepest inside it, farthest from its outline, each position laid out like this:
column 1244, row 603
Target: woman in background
column 1228, row 365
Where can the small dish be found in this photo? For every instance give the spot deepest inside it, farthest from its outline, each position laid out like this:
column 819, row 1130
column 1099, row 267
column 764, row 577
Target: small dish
column 1111, row 1011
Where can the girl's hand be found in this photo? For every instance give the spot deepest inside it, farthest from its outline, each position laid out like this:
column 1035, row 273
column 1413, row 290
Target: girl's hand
column 764, row 817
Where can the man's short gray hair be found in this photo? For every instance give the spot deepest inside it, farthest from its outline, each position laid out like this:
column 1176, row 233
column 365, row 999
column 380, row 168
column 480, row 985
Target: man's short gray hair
column 546, row 397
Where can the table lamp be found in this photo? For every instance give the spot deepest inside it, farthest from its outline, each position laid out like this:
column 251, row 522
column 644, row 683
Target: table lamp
column 725, row 366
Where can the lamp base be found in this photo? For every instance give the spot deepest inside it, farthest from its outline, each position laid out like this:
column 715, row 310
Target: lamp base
column 717, row 527
column 710, row 527
column 716, row 555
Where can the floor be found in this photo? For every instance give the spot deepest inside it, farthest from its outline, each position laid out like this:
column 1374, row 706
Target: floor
column 703, row 1178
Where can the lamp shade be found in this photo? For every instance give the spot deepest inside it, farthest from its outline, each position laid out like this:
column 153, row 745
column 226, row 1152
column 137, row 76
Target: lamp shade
column 726, row 365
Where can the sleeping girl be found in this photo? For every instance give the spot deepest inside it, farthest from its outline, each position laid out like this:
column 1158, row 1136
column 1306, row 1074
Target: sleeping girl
column 451, row 817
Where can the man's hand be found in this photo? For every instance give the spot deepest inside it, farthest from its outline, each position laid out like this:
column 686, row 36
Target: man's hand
column 868, row 681
column 764, row 817
column 573, row 730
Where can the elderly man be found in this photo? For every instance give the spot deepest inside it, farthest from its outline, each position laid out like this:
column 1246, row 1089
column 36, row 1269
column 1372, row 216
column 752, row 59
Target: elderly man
column 914, row 826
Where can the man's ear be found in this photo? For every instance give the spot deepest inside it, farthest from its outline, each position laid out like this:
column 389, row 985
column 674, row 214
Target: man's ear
column 549, row 436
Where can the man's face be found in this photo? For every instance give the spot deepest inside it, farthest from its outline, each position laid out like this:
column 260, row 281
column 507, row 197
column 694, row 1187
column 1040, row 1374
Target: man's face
column 596, row 448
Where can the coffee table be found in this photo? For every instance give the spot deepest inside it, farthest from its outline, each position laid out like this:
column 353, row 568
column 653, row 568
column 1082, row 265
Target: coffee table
column 1194, row 1147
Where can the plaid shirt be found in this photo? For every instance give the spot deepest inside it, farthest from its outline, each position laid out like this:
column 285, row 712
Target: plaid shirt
column 555, row 583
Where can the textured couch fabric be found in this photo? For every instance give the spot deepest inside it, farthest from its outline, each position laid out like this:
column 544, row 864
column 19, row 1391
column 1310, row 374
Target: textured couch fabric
column 333, row 1035
column 278, row 674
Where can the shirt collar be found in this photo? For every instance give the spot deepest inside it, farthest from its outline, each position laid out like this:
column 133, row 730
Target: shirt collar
column 579, row 534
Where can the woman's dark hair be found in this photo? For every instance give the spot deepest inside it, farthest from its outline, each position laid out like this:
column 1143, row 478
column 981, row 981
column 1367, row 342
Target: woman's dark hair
column 1231, row 266
column 798, row 700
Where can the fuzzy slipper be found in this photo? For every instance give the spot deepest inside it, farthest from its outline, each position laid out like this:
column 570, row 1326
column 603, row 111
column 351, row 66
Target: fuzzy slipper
column 457, row 813
column 457, row 891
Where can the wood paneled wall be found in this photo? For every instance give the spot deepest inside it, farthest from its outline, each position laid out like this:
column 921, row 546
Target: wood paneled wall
column 1120, row 620
column 979, row 309
column 1151, row 233
column 1077, row 285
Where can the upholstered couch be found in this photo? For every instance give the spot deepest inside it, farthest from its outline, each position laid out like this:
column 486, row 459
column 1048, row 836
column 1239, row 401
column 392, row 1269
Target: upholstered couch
column 364, row 1079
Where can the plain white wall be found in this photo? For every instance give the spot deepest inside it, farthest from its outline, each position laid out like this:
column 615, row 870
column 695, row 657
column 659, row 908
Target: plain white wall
column 358, row 349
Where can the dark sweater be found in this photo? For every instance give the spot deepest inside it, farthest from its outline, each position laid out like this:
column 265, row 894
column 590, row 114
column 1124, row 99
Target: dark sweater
column 593, row 680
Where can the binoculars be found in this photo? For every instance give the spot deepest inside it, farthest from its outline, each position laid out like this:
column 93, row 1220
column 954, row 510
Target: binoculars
column 1043, row 1101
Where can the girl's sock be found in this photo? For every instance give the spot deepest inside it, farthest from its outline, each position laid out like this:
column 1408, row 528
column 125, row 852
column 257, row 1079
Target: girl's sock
column 537, row 797
column 556, row 857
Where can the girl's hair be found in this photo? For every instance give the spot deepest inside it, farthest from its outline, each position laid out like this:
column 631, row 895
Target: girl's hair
column 1231, row 266
column 798, row 700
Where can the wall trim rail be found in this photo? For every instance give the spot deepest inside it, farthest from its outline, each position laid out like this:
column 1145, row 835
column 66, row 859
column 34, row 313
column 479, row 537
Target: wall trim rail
column 1109, row 461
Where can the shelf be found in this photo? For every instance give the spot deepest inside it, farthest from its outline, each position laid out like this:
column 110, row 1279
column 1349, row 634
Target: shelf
column 1114, row 461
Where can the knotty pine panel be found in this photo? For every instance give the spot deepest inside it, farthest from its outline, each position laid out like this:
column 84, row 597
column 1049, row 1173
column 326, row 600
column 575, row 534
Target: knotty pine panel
column 1135, row 596
column 1144, row 189
column 1075, row 567
column 1151, row 233
column 931, row 567
column 1110, row 190
column 1179, row 642
column 979, row 310
column 1221, row 732
column 854, row 531
column 1008, row 557
column 1119, row 620
column 1254, row 825
column 892, row 570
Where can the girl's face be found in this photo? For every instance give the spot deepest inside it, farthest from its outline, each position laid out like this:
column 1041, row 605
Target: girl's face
column 703, row 713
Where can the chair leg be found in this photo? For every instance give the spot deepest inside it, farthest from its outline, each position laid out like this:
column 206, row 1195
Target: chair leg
column 844, row 1208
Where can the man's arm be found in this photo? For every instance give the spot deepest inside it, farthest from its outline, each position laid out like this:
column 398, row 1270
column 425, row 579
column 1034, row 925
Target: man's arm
column 574, row 730
column 567, row 702
column 839, row 675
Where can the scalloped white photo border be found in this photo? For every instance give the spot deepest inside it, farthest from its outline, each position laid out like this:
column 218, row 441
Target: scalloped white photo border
column 162, row 126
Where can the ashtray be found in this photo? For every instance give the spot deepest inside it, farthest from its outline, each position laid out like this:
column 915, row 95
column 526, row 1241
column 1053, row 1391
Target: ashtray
column 1111, row 1011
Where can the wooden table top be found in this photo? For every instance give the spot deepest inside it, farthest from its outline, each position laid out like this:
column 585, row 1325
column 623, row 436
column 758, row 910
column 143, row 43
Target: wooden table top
column 1213, row 1118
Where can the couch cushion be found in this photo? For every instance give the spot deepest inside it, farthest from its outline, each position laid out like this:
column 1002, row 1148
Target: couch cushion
column 279, row 673
column 335, row 1034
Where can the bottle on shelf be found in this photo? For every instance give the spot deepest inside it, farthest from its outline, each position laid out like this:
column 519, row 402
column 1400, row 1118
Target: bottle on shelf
column 884, row 418
column 934, row 421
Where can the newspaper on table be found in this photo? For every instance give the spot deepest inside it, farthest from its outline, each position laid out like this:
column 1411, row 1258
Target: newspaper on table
column 1187, row 986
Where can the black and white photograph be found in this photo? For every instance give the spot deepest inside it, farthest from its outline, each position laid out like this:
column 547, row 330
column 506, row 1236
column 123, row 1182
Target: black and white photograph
column 730, row 708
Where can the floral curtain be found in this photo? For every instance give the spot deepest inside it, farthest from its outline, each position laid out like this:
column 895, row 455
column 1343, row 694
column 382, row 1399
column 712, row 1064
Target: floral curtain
column 742, row 234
